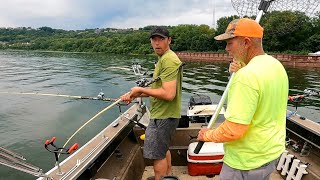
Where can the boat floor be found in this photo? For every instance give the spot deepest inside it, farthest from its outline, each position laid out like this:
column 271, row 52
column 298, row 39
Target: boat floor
column 182, row 173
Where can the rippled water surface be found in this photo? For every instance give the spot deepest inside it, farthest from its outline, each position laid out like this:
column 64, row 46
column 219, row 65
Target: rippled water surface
column 26, row 121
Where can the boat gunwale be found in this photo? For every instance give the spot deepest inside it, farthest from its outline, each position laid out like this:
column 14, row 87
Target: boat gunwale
column 94, row 156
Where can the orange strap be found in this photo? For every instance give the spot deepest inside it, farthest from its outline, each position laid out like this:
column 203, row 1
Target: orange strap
column 227, row 131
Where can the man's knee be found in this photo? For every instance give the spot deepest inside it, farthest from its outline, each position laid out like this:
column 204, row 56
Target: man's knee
column 160, row 165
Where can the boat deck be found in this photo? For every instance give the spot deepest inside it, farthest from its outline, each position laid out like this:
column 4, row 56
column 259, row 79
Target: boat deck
column 120, row 147
column 182, row 173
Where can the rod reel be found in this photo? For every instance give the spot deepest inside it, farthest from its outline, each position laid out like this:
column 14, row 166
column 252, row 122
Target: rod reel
column 100, row 96
column 137, row 69
column 145, row 82
column 311, row 92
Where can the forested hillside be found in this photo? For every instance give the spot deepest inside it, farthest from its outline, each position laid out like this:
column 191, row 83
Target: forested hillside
column 285, row 32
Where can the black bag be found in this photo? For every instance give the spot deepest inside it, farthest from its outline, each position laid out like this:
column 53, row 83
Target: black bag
column 199, row 99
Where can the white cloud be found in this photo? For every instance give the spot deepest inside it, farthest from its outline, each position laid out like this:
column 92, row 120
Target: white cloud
column 37, row 13
column 34, row 8
column 81, row 14
column 174, row 13
column 6, row 23
column 192, row 17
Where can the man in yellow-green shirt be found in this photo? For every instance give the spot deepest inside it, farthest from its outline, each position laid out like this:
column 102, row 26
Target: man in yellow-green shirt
column 255, row 127
column 165, row 98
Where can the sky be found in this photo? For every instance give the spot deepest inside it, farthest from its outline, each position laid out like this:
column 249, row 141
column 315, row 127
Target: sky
column 90, row 14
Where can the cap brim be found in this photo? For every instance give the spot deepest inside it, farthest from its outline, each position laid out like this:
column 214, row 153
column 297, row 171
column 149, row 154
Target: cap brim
column 158, row 34
column 224, row 36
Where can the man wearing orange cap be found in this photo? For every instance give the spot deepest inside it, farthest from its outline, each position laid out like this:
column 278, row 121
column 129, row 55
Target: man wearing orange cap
column 255, row 127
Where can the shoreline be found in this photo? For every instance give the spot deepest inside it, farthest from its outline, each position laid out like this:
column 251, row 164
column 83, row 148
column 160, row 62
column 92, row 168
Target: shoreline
column 285, row 59
column 293, row 60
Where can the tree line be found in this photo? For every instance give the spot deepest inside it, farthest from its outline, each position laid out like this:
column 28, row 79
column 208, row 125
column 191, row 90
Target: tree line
column 285, row 32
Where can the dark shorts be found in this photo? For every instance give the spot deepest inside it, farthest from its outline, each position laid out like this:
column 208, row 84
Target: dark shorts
column 158, row 137
column 261, row 173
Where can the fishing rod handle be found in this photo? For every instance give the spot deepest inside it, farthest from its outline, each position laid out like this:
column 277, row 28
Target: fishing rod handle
column 50, row 141
column 74, row 147
column 295, row 98
column 198, row 147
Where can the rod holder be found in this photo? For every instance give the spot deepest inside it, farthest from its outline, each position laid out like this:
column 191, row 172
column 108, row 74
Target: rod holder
column 289, row 169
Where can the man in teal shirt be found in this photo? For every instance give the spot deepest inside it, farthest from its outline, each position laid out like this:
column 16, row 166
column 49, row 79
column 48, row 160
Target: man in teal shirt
column 255, row 127
column 165, row 98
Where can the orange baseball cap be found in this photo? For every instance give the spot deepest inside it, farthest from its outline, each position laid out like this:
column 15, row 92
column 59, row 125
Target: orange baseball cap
column 241, row 27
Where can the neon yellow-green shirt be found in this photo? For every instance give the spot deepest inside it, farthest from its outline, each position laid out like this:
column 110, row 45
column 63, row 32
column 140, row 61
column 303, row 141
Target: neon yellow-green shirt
column 258, row 97
column 168, row 68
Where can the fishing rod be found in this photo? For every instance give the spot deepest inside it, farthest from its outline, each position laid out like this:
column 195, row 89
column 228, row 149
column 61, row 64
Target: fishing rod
column 264, row 5
column 58, row 151
column 13, row 154
column 16, row 161
column 136, row 67
column 142, row 83
column 100, row 96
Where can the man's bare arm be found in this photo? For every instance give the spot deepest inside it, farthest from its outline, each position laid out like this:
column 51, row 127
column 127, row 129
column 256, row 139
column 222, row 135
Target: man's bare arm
column 166, row 92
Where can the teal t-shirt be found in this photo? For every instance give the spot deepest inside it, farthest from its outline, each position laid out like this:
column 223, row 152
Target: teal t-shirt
column 258, row 97
column 168, row 68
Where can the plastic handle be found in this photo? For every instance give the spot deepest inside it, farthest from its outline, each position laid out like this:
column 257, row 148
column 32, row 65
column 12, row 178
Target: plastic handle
column 290, row 98
column 47, row 142
column 53, row 139
column 198, row 148
column 293, row 98
column 74, row 147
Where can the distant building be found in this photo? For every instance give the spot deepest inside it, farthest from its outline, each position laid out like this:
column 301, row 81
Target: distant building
column 97, row 31
column 314, row 54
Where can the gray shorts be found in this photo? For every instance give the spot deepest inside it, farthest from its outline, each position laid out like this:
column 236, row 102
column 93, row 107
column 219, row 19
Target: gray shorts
column 261, row 173
column 158, row 137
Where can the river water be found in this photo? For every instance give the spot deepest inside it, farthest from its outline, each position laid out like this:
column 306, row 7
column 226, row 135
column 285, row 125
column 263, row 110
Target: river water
column 26, row 121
